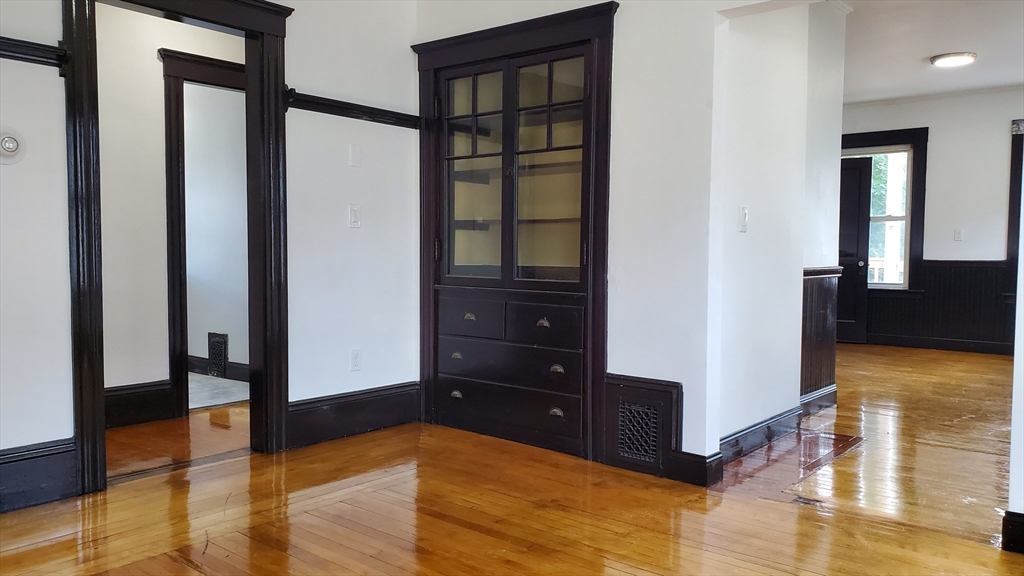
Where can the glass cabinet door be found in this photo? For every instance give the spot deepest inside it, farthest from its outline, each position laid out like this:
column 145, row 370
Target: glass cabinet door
column 549, row 170
column 514, row 170
column 473, row 141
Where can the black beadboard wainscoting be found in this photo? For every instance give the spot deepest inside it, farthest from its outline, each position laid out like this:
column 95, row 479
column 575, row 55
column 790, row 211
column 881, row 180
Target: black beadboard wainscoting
column 956, row 305
column 818, row 344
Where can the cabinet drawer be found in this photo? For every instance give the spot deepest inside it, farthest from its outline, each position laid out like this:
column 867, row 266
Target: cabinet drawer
column 545, row 325
column 465, row 317
column 504, row 409
column 540, row 368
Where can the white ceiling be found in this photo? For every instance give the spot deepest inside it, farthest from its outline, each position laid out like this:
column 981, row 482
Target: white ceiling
column 889, row 42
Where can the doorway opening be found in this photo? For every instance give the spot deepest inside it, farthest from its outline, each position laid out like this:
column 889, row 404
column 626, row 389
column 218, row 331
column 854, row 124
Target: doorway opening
column 177, row 124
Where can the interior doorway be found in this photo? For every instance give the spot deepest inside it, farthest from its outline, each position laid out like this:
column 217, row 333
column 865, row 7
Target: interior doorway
column 176, row 191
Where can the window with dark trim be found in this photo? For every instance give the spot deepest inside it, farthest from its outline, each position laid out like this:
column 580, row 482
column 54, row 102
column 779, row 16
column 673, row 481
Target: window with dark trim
column 898, row 242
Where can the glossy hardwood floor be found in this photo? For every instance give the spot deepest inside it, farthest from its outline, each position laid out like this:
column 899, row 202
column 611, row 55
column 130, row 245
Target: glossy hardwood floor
column 204, row 436
column 430, row 500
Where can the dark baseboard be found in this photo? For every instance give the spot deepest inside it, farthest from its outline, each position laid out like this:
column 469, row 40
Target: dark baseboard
column 140, row 403
column 743, row 442
column 694, row 468
column 38, row 473
column 321, row 419
column 1013, row 532
column 819, row 400
column 236, row 371
column 1005, row 348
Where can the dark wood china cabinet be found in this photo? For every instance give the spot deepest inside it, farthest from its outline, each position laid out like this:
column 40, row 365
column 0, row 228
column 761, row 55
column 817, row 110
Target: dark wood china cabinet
column 515, row 166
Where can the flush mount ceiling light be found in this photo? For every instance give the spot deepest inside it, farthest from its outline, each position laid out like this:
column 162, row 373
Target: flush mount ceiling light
column 12, row 146
column 953, row 59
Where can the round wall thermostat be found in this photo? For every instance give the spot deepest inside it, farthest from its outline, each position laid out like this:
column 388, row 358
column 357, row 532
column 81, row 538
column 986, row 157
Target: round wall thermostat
column 12, row 146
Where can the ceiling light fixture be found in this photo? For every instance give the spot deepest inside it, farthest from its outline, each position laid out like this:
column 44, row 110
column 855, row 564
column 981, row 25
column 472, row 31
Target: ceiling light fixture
column 953, row 59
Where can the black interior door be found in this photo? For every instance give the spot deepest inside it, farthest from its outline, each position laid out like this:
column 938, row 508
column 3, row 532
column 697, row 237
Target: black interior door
column 854, row 220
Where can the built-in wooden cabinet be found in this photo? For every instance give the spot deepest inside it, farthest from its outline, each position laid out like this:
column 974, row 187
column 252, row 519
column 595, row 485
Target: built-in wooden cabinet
column 515, row 169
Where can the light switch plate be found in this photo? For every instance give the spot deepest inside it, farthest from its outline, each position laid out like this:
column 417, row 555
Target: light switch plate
column 744, row 218
column 354, row 220
column 355, row 155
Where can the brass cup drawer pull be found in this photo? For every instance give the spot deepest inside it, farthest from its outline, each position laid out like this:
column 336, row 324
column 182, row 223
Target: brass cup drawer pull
column 556, row 412
column 543, row 323
column 456, row 356
column 470, row 316
column 557, row 369
column 456, row 394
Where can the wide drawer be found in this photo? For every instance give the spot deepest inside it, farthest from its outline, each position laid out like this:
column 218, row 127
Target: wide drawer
column 465, row 317
column 544, row 325
column 505, row 409
column 546, row 369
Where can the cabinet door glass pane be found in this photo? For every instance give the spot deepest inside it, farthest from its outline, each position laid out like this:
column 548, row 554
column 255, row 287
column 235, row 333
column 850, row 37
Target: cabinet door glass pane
column 474, row 224
column 460, row 137
column 567, row 125
column 533, row 129
column 548, row 215
column 567, row 80
column 460, row 96
column 488, row 92
column 533, row 85
column 488, row 134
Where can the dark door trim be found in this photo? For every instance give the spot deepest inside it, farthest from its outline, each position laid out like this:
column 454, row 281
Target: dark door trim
column 1013, row 221
column 592, row 25
column 263, row 25
column 917, row 139
column 180, row 67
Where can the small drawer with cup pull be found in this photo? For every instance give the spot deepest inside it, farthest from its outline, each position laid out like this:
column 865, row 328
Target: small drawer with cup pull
column 506, row 363
column 470, row 403
column 544, row 325
column 465, row 317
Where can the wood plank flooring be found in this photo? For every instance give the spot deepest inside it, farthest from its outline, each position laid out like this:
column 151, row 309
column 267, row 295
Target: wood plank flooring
column 202, row 436
column 421, row 499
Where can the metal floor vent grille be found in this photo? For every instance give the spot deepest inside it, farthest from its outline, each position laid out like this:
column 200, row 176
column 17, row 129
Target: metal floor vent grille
column 218, row 352
column 638, row 431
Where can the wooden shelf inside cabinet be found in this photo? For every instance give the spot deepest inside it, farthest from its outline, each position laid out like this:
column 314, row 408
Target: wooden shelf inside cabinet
column 547, row 220
column 483, row 225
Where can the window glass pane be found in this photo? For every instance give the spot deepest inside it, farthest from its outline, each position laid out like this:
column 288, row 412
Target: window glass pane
column 533, row 130
column 488, row 92
column 887, row 252
column 460, row 96
column 567, row 80
column 889, row 184
column 533, row 85
column 567, row 125
column 460, row 137
column 488, row 134
column 548, row 215
column 474, row 220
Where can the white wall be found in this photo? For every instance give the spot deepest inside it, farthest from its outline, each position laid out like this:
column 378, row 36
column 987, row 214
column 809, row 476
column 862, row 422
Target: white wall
column 765, row 125
column 215, row 219
column 33, row 20
column 826, row 52
column 352, row 287
column 132, row 183
column 36, row 395
column 968, row 181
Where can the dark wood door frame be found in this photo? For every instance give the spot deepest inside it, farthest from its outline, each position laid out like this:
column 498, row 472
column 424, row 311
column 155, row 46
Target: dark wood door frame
column 179, row 68
column 591, row 25
column 263, row 26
